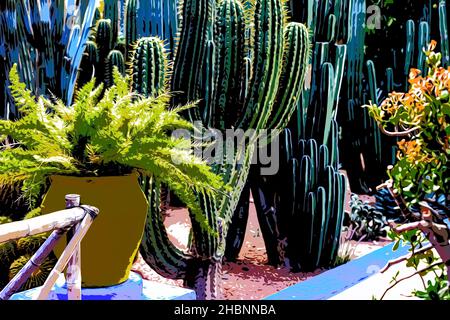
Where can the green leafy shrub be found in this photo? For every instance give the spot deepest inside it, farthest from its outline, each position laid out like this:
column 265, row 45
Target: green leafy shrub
column 112, row 132
column 5, row 220
column 421, row 175
column 421, row 117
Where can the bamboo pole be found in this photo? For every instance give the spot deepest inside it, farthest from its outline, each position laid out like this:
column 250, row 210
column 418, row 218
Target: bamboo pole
column 73, row 273
column 32, row 265
column 68, row 252
column 48, row 222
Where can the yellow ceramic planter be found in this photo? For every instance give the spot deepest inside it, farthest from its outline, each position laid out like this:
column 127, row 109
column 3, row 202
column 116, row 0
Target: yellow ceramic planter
column 109, row 247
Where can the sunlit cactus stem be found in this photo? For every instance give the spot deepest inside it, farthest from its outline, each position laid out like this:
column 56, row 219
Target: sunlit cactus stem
column 114, row 60
column 149, row 67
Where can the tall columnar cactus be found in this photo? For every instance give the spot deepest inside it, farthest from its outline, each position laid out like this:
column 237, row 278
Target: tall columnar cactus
column 89, row 63
column 212, row 64
column 149, row 67
column 302, row 228
column 111, row 12
column 312, row 222
column 293, row 75
column 367, row 152
column 105, row 43
column 314, row 120
column 48, row 39
column 109, row 50
column 151, row 18
column 231, row 53
column 114, row 60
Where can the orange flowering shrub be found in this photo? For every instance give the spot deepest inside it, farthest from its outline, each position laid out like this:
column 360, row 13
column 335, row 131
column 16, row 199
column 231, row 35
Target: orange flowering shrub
column 421, row 118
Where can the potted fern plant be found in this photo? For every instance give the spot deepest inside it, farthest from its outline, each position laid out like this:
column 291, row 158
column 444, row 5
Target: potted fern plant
column 101, row 148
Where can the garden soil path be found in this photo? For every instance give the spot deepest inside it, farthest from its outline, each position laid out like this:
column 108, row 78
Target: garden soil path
column 249, row 278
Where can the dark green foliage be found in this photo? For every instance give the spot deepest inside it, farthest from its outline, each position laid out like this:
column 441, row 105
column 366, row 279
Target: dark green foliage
column 366, row 220
column 436, row 289
column 111, row 12
column 89, row 63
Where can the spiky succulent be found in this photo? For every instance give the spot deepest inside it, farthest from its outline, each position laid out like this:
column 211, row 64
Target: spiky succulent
column 38, row 277
column 110, row 132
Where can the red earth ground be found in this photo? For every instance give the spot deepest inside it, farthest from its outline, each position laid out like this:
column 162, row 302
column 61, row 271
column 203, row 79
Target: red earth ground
column 249, row 278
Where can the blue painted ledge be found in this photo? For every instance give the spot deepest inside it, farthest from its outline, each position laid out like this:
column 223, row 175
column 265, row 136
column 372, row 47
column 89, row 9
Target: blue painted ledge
column 135, row 288
column 333, row 282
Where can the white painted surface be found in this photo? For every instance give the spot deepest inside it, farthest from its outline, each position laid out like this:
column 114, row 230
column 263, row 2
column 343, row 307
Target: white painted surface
column 376, row 285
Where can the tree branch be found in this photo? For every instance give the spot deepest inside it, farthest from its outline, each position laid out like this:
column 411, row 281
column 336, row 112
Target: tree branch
column 431, row 266
column 398, row 133
column 405, row 257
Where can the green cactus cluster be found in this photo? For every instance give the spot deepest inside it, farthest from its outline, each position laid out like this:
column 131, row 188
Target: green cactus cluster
column 374, row 71
column 314, row 205
column 120, row 28
column 149, row 69
column 47, row 40
column 237, row 61
column 103, row 52
column 279, row 205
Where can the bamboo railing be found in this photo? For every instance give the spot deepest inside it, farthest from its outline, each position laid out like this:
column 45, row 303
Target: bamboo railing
column 73, row 222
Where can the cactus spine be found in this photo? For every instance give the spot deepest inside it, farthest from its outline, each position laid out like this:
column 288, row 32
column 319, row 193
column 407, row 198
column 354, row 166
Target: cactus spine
column 230, row 61
column 114, row 60
column 149, row 67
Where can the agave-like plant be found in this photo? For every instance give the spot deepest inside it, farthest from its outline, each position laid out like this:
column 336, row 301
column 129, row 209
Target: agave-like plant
column 105, row 132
